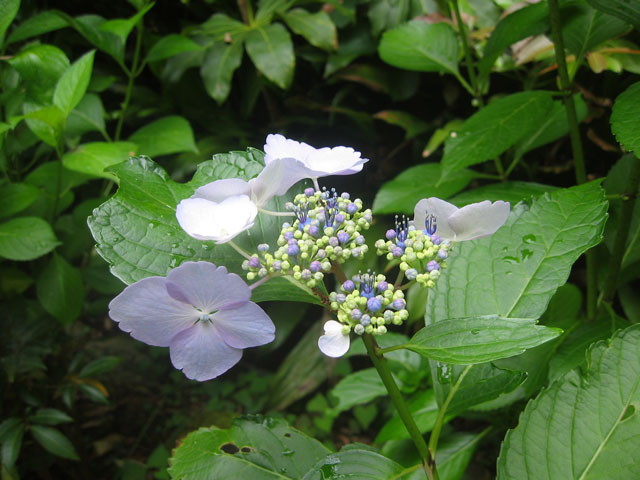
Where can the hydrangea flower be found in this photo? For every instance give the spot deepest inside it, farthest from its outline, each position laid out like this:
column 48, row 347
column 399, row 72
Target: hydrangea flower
column 335, row 341
column 476, row 220
column 320, row 162
column 222, row 209
column 200, row 311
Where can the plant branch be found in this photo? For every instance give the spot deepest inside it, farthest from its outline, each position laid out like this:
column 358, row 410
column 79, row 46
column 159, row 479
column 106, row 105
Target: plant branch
column 465, row 46
column 132, row 74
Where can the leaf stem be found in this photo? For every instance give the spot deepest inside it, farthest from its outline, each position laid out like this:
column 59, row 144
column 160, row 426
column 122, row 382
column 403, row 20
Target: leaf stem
column 465, row 46
column 276, row 214
column 442, row 412
column 380, row 363
column 257, row 283
column 617, row 256
column 239, row 250
column 132, row 74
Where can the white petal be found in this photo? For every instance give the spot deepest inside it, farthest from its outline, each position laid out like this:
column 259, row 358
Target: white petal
column 206, row 286
column 147, row 311
column 245, row 326
column 278, row 177
column 206, row 220
column 333, row 343
column 201, row 353
column 220, row 189
column 479, row 219
column 441, row 210
column 278, row 146
column 335, row 161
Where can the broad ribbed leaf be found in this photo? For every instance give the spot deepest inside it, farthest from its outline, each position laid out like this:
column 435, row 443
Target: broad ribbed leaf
column 625, row 118
column 356, row 463
column 494, row 128
column 627, row 10
column 40, row 67
column 271, row 51
column 516, row 271
column 220, row 61
column 586, row 425
column 421, row 46
column 254, row 448
column 92, row 158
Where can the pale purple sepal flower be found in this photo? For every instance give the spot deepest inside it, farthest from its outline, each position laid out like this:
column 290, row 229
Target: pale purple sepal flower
column 200, row 311
column 320, row 162
column 476, row 220
column 334, row 343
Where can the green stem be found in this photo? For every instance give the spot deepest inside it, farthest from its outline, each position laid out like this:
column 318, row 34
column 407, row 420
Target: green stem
column 238, row 249
column 382, row 351
column 380, row 363
column 465, row 45
column 628, row 204
column 56, row 200
column 442, row 412
column 132, row 74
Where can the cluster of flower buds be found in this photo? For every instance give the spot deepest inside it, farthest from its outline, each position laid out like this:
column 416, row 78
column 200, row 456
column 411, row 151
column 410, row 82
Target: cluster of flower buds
column 327, row 228
column 368, row 303
column 421, row 253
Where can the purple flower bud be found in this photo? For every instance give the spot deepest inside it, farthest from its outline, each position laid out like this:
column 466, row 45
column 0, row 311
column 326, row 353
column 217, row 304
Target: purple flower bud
column 254, row 262
column 397, row 252
column 321, row 253
column 352, row 208
column 399, row 303
column 315, row 266
column 443, row 254
column 309, row 192
column 292, row 241
column 314, row 230
column 343, row 237
column 306, row 274
column 339, row 218
column 263, row 247
column 365, row 320
column 382, row 286
column 345, row 196
column 373, row 304
column 334, row 242
column 277, row 265
column 293, row 250
column 356, row 314
column 391, row 234
column 348, row 286
column 288, row 235
column 360, row 240
column 341, row 298
column 436, row 239
column 433, row 265
column 355, row 252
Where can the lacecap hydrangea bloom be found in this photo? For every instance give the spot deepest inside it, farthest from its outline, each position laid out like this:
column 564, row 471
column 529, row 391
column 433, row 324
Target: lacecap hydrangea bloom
column 200, row 311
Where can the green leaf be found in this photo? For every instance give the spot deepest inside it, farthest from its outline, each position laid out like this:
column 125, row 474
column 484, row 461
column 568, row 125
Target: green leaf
column 46, row 123
column 464, row 341
column 259, row 448
column 586, row 425
column 271, row 51
column 169, row 46
column 357, row 463
column 528, row 21
column 40, row 66
column 411, row 124
column 553, row 127
column 50, row 416
column 509, row 191
column 60, row 290
column 99, row 365
column 455, row 452
column 9, row 9
column 625, row 118
column 268, row 8
column 88, row 116
column 424, row 410
column 401, row 194
column 384, row 15
column 54, row 441
column 316, row 27
column 40, row 23
column 353, row 44
column 279, row 288
column 165, row 136
column 220, row 61
column 26, row 238
column 92, row 158
column 358, row 388
column 627, row 10
column 421, row 46
column 494, row 128
column 15, row 197
column 525, row 261
column 11, row 432
column 73, row 84
column 221, row 27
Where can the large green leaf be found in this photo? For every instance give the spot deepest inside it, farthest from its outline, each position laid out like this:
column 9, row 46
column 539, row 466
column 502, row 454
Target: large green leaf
column 271, row 50
column 54, row 441
column 424, row 410
column 358, row 388
column 316, row 27
column 220, row 61
column 9, row 9
column 516, row 271
column 15, row 197
column 464, row 341
column 625, row 118
column 11, row 433
column 88, row 116
column 586, row 425
column 73, row 83
column 92, row 158
column 509, row 191
column 42, row 22
column 421, row 46
column 165, row 136
column 254, row 447
column 60, row 290
column 171, row 45
column 356, row 462
column 401, row 194
column 627, row 10
column 26, row 238
column 494, row 128
column 40, row 66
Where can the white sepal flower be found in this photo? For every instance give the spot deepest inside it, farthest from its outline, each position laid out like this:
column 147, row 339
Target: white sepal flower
column 334, row 343
column 449, row 222
column 204, row 219
column 320, row 162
